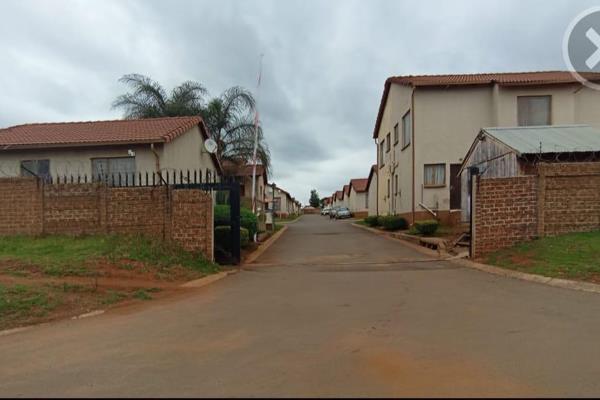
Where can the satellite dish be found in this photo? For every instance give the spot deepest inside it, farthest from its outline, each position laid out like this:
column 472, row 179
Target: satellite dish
column 210, row 145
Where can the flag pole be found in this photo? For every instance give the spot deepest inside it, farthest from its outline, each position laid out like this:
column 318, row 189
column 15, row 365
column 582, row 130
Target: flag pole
column 256, row 121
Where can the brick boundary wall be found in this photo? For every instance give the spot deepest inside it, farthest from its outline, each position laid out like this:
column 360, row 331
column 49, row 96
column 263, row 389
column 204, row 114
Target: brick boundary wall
column 29, row 207
column 505, row 213
column 561, row 198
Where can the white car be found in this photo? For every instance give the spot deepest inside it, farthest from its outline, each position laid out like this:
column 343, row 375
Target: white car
column 325, row 210
column 343, row 213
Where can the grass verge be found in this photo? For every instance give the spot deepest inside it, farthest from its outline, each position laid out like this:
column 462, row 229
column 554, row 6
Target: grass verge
column 571, row 256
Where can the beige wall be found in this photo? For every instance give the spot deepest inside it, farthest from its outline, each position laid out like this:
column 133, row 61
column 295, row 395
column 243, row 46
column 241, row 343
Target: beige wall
column 357, row 201
column 398, row 103
column 446, row 121
column 185, row 152
column 73, row 161
column 373, row 195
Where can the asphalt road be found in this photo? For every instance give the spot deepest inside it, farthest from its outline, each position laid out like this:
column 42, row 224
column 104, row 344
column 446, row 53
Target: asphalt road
column 331, row 310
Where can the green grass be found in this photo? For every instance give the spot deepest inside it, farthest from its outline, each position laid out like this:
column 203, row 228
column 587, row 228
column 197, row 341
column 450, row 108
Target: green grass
column 74, row 256
column 142, row 294
column 113, row 296
column 21, row 301
column 441, row 231
column 571, row 256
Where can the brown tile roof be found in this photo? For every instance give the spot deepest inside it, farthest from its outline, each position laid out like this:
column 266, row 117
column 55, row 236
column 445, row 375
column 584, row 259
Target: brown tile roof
column 346, row 190
column 359, row 185
column 339, row 195
column 100, row 133
column 125, row 131
column 503, row 79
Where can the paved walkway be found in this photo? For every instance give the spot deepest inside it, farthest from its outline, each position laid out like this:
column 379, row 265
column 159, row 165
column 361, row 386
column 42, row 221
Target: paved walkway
column 332, row 310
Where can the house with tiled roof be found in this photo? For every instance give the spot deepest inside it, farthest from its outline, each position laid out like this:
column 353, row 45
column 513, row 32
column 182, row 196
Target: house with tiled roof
column 97, row 149
column 357, row 197
column 242, row 173
column 426, row 124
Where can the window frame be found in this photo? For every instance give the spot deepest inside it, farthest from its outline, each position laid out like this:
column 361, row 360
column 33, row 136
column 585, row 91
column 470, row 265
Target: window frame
column 396, row 134
column 388, row 145
column 550, row 113
column 433, row 186
column 381, row 151
column 112, row 174
column 45, row 177
column 405, row 134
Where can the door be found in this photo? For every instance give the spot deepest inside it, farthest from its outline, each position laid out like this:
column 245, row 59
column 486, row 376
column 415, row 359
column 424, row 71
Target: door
column 455, row 187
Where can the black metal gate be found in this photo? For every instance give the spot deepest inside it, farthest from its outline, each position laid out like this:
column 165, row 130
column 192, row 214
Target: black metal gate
column 233, row 188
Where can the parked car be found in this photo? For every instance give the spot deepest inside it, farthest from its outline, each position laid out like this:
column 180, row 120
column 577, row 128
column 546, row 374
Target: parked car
column 333, row 211
column 325, row 210
column 343, row 213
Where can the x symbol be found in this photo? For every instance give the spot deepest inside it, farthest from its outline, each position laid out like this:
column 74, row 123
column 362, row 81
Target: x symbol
column 594, row 59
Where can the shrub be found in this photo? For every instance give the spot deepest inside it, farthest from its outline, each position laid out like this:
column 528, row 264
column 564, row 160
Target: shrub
column 380, row 219
column 427, row 227
column 372, row 221
column 222, row 238
column 394, row 223
column 247, row 218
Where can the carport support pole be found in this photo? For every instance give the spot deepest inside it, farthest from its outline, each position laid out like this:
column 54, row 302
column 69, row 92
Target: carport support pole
column 473, row 172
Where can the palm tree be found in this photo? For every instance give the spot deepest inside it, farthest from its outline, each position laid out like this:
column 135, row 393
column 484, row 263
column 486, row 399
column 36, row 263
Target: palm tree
column 148, row 99
column 229, row 117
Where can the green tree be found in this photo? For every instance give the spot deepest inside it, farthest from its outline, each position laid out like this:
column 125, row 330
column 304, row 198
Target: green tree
column 228, row 117
column 314, row 198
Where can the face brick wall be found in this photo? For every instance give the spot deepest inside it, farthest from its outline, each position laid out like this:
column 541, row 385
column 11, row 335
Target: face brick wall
column 571, row 197
column 32, row 208
column 20, row 207
column 561, row 198
column 505, row 213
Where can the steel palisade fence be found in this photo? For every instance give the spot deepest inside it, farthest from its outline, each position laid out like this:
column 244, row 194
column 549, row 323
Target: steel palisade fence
column 139, row 179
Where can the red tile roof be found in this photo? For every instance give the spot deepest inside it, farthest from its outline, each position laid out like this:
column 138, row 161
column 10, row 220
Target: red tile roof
column 126, row 131
column 507, row 78
column 359, row 185
column 503, row 79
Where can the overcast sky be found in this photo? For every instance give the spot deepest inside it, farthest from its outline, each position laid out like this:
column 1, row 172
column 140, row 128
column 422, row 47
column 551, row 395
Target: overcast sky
column 325, row 62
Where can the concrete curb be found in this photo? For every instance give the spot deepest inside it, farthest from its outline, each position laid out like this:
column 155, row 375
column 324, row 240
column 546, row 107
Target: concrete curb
column 395, row 237
column 207, row 280
column 507, row 273
column 252, row 257
column 555, row 282
column 288, row 222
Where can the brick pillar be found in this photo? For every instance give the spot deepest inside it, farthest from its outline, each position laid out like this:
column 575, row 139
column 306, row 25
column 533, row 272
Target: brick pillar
column 541, row 199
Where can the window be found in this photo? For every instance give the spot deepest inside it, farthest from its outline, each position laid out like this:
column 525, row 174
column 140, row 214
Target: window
column 406, row 129
column 534, row 110
column 396, row 185
column 388, row 139
column 39, row 168
column 396, row 138
column 115, row 168
column 388, row 188
column 381, row 147
column 435, row 175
